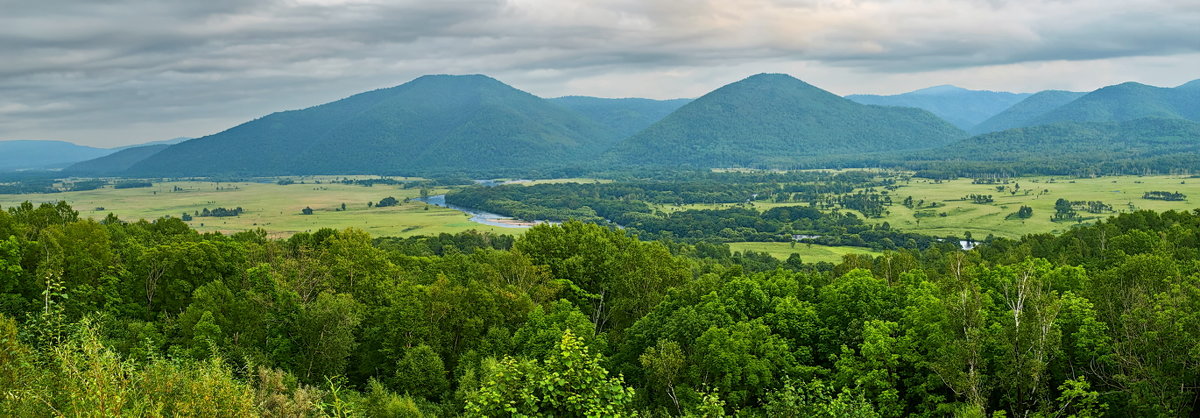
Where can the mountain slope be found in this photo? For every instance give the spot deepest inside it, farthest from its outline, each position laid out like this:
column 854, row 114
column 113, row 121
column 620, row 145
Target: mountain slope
column 1127, row 101
column 1023, row 112
column 434, row 124
column 1194, row 84
column 773, row 119
column 22, row 155
column 115, row 163
column 171, row 141
column 961, row 107
column 1145, row 142
column 624, row 117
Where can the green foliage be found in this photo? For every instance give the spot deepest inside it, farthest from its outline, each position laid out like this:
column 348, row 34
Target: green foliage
column 152, row 318
column 816, row 399
column 421, row 373
column 568, row 383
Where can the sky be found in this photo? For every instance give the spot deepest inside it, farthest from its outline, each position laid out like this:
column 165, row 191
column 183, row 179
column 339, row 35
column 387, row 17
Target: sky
column 117, row 72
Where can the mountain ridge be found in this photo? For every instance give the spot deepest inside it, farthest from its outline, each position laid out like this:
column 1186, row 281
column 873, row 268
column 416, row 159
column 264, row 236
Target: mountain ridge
column 962, row 107
column 771, row 118
column 432, row 124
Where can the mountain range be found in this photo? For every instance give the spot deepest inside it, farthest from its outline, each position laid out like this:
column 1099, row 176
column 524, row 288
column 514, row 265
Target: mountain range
column 50, row 155
column 478, row 126
column 1077, row 147
column 961, row 107
column 434, row 124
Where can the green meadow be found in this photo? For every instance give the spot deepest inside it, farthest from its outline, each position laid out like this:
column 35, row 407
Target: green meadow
column 1123, row 193
column 277, row 208
column 272, row 207
column 809, row 253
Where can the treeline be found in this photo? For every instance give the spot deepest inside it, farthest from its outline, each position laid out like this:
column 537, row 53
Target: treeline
column 220, row 212
column 1161, row 195
column 558, row 201
column 154, row 318
column 52, row 185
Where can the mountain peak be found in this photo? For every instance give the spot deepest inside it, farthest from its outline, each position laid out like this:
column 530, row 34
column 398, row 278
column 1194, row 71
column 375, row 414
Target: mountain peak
column 776, row 120
column 1194, row 84
column 453, row 79
column 942, row 89
column 770, row 77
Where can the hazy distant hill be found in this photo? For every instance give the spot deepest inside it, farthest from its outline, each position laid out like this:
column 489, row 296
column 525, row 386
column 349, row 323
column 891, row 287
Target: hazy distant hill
column 171, row 141
column 624, row 117
column 115, row 163
column 431, row 124
column 23, row 155
column 961, row 107
column 1026, row 110
column 1194, row 84
column 772, row 119
column 1157, row 143
column 1127, row 101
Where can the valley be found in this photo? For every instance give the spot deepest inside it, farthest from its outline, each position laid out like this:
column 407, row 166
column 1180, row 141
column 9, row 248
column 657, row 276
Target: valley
column 456, row 246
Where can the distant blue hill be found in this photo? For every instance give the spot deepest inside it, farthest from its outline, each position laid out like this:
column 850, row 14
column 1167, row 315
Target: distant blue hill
column 53, row 155
column 961, row 107
column 44, row 155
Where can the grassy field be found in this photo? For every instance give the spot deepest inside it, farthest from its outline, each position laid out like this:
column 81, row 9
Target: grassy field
column 808, row 253
column 1123, row 193
column 269, row 206
column 276, row 208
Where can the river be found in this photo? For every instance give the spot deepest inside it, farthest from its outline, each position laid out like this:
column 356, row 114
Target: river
column 479, row 216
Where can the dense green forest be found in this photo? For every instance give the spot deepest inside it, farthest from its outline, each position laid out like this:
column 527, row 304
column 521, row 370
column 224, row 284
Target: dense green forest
column 152, row 318
column 824, row 207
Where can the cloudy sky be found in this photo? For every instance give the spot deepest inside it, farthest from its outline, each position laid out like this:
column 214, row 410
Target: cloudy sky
column 117, row 72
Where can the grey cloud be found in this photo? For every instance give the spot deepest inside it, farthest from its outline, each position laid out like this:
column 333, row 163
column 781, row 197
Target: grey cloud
column 120, row 71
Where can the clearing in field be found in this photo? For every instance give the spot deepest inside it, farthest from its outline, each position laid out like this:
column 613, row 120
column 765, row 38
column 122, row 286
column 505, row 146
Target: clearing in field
column 954, row 215
column 809, row 253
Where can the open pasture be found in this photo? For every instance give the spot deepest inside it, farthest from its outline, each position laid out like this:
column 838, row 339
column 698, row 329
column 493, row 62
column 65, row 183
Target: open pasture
column 274, row 208
column 809, row 253
column 1122, row 193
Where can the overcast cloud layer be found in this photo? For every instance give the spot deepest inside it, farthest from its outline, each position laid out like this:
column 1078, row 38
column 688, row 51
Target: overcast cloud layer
column 116, row 72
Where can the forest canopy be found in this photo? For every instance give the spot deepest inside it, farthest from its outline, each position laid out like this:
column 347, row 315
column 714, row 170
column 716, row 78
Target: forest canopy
column 113, row 317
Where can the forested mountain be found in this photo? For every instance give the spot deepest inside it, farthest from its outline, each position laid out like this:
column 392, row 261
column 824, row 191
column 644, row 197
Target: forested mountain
column 624, row 117
column 21, row 155
column 770, row 120
column 961, row 107
column 115, row 163
column 1154, row 144
column 1023, row 112
column 431, row 124
column 1127, row 101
